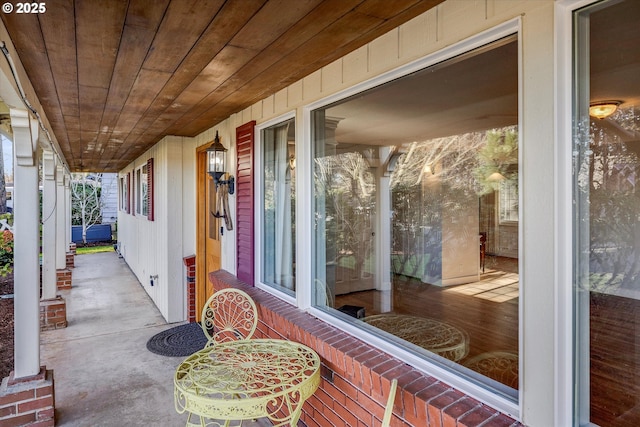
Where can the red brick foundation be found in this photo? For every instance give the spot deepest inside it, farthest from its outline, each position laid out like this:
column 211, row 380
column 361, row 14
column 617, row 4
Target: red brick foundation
column 63, row 278
column 190, row 264
column 71, row 256
column 53, row 314
column 29, row 401
column 71, row 260
column 356, row 376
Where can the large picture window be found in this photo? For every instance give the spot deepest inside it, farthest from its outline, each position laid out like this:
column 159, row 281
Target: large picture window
column 407, row 243
column 278, row 210
column 607, row 213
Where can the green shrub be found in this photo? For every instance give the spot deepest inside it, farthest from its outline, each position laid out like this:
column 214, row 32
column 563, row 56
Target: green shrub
column 6, row 252
column 6, row 247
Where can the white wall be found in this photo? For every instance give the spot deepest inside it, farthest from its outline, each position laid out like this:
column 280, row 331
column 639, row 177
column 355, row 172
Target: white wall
column 156, row 247
column 189, row 187
column 109, row 198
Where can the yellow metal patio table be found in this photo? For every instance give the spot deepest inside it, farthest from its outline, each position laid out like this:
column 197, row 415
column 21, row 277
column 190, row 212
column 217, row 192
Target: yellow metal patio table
column 247, row 379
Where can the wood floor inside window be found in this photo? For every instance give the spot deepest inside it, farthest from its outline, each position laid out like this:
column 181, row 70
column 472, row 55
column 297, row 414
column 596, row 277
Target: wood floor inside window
column 488, row 312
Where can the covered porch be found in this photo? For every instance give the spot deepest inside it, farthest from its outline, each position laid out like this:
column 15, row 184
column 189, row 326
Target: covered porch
column 104, row 374
column 352, row 165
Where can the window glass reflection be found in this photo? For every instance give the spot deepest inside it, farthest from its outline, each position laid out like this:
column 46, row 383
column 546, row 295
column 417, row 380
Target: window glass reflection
column 416, row 212
column 607, row 214
column 278, row 214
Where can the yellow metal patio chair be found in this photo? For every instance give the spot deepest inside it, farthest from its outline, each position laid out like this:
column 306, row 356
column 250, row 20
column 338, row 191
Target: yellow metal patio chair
column 388, row 411
column 229, row 315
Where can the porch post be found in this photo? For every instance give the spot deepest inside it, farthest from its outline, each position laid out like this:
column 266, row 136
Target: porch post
column 61, row 220
column 67, row 208
column 383, row 230
column 26, row 246
column 48, row 225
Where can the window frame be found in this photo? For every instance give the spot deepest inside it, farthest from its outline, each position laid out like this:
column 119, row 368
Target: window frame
column 150, row 189
column 259, row 202
column 125, row 195
column 507, row 187
column 144, row 187
column 138, row 191
column 122, row 187
column 305, row 212
column 566, row 369
column 565, row 373
column 143, row 206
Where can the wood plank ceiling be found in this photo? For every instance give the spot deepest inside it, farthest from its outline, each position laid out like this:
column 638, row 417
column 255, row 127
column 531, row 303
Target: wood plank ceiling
column 114, row 77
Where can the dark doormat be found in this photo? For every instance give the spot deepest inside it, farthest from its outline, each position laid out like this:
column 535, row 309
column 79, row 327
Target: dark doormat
column 182, row 340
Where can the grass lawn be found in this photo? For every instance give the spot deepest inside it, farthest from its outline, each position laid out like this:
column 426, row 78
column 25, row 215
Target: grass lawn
column 94, row 249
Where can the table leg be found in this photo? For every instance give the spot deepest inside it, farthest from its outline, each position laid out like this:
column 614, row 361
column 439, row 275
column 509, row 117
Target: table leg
column 190, row 424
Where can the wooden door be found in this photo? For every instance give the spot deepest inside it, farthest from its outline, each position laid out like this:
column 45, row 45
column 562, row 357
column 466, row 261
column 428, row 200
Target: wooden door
column 208, row 255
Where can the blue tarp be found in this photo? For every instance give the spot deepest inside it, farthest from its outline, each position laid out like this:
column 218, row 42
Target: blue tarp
column 95, row 233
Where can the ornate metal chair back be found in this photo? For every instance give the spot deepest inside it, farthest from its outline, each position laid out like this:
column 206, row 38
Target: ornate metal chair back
column 229, row 315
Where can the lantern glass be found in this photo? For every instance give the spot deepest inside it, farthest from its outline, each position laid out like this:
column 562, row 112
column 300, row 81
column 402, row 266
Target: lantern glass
column 216, row 161
column 216, row 154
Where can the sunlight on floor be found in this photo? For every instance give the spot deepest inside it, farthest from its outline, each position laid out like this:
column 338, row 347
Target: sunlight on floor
column 497, row 286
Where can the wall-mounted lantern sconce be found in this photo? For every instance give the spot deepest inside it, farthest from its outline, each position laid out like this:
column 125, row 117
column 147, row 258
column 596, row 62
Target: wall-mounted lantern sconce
column 216, row 155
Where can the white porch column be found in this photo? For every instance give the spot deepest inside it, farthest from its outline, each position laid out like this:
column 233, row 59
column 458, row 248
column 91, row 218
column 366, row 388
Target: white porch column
column 383, row 233
column 383, row 230
column 49, row 290
column 61, row 220
column 26, row 246
column 67, row 208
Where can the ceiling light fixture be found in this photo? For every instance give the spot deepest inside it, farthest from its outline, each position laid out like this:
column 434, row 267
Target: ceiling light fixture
column 603, row 109
column 496, row 177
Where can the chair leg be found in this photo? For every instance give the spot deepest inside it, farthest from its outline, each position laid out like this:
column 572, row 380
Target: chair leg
column 388, row 411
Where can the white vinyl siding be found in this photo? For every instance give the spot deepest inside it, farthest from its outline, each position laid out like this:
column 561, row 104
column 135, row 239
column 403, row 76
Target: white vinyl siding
column 155, row 248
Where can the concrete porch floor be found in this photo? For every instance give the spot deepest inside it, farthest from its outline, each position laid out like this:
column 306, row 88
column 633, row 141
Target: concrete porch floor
column 104, row 374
